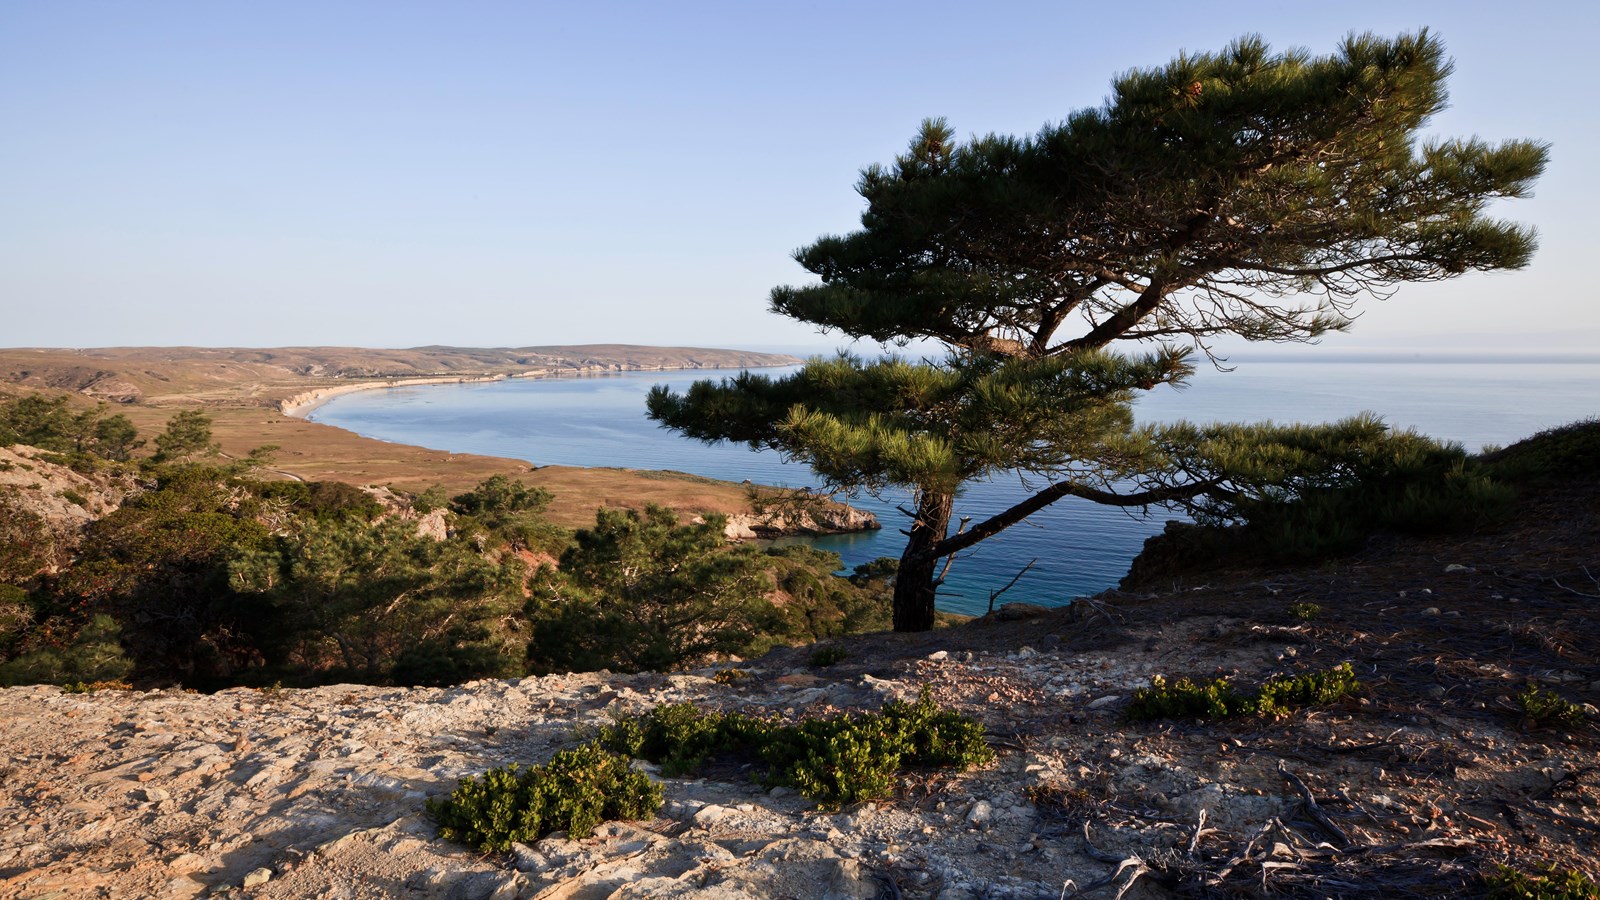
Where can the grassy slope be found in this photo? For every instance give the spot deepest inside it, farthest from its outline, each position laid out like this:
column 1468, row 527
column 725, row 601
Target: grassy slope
column 242, row 388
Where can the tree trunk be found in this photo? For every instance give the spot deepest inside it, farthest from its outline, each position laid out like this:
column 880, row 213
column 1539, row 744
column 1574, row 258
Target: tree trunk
column 916, row 582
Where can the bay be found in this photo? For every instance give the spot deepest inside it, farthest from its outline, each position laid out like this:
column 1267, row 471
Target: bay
column 1080, row 548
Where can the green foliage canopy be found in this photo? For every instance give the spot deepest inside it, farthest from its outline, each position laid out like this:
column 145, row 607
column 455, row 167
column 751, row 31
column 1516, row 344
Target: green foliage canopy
column 51, row 424
column 1245, row 193
column 641, row 592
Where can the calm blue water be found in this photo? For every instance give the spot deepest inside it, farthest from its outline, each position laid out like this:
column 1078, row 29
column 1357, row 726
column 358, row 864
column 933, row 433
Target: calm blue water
column 1081, row 548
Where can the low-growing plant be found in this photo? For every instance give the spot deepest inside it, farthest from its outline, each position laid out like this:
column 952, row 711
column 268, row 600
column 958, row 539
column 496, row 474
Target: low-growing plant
column 1305, row 612
column 835, row 761
column 1218, row 699
column 1546, row 709
column 1184, row 699
column 1552, row 884
column 1572, row 449
column 577, row 790
column 730, row 676
column 1282, row 694
column 827, row 656
column 89, row 687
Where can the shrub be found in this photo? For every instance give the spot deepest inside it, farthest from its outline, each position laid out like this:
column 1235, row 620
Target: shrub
column 93, row 655
column 835, row 761
column 1543, row 709
column 1186, row 700
column 577, row 790
column 730, row 676
column 1305, row 612
column 1553, row 884
column 1279, row 696
column 827, row 656
column 1284, row 693
column 89, row 687
column 1562, row 452
column 639, row 592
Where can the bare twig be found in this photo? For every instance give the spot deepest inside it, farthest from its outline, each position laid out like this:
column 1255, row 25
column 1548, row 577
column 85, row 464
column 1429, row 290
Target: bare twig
column 951, row 559
column 1199, row 829
column 1096, row 852
column 1243, row 855
column 995, row 595
column 1315, row 810
column 1139, row 871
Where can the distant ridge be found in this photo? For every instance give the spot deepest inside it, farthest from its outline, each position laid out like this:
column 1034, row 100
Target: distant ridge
column 133, row 374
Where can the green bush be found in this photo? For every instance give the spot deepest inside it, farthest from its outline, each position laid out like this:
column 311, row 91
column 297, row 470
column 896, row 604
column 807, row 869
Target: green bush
column 1284, row 693
column 1305, row 612
column 51, row 424
column 324, row 501
column 1185, row 699
column 577, row 790
column 1562, row 452
column 1544, row 709
column 835, row 761
column 94, row 654
column 1279, row 696
column 827, row 656
column 1553, row 884
column 640, row 592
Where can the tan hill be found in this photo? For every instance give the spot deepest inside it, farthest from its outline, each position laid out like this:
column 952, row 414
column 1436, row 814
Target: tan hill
column 246, row 392
column 202, row 374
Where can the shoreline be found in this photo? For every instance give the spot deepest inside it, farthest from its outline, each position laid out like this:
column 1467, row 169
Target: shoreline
column 299, row 406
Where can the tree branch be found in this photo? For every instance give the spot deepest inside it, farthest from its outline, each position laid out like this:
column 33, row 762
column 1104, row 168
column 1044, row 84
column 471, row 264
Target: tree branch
column 1003, row 520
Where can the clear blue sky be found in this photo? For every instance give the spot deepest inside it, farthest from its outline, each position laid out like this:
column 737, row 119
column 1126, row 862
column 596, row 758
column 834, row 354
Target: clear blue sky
column 491, row 174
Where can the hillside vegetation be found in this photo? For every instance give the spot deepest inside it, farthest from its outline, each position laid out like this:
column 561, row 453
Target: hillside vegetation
column 243, row 391
column 1431, row 733
column 186, row 568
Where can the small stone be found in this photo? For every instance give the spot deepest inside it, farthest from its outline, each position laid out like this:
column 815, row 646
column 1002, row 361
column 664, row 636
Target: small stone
column 527, row 859
column 939, row 655
column 1431, row 611
column 1105, row 701
column 187, row 862
column 257, row 878
column 779, row 792
column 981, row 814
column 155, row 795
column 711, row 815
column 1457, row 567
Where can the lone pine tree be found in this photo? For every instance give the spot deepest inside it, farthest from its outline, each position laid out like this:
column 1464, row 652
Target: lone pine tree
column 1245, row 193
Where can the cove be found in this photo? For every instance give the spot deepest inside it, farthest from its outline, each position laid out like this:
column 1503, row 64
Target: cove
column 1080, row 548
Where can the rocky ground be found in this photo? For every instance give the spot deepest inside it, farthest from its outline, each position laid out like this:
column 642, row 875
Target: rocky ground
column 1419, row 787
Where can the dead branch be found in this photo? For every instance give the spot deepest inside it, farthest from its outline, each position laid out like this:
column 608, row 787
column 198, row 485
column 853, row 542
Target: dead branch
column 995, row 595
column 1312, row 807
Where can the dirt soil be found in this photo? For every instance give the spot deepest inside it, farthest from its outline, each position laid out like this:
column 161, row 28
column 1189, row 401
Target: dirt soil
column 1419, row 787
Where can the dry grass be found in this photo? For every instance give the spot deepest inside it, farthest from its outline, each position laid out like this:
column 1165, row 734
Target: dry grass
column 241, row 390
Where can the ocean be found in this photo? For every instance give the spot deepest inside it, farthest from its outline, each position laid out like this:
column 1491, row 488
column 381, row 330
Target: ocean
column 1080, row 548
